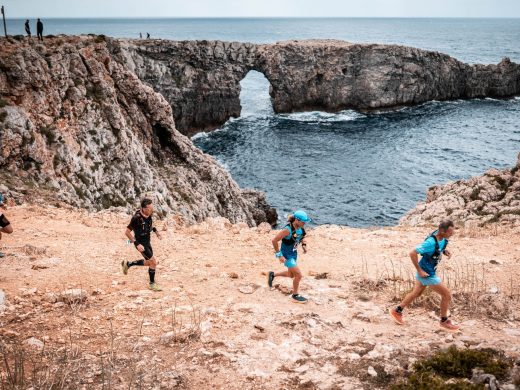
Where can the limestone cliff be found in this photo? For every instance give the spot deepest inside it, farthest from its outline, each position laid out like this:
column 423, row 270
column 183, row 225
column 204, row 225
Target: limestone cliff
column 85, row 128
column 491, row 198
column 201, row 79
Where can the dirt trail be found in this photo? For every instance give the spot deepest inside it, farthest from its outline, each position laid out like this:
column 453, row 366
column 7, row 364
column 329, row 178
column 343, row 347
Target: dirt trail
column 202, row 331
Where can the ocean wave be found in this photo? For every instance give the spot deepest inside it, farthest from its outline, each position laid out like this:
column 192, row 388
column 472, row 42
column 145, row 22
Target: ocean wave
column 201, row 135
column 322, row 116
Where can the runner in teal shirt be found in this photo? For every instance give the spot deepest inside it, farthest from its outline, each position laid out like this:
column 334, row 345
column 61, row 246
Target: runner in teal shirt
column 431, row 251
column 291, row 236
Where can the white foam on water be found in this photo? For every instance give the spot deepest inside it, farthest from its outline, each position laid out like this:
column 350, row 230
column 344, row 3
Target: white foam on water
column 322, row 116
column 201, row 135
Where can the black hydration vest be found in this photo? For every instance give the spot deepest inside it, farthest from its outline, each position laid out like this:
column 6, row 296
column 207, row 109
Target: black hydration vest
column 292, row 241
column 436, row 256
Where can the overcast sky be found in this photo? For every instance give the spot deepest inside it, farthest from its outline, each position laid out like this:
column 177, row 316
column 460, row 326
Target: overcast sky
column 261, row 8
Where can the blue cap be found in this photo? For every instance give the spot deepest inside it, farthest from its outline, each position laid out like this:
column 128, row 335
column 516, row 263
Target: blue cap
column 301, row 215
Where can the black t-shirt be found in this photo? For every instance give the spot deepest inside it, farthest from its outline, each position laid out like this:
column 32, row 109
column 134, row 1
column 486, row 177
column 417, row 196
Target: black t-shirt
column 141, row 226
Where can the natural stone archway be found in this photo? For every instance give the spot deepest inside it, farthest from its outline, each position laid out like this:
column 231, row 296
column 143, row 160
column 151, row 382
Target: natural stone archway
column 200, row 79
column 255, row 94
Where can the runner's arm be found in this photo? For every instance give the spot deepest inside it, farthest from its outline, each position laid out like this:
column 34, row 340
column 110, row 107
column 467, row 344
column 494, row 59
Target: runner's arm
column 154, row 229
column 129, row 235
column 414, row 255
column 281, row 234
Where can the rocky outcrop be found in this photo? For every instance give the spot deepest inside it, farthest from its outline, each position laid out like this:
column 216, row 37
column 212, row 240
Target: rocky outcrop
column 201, row 79
column 83, row 127
column 491, row 198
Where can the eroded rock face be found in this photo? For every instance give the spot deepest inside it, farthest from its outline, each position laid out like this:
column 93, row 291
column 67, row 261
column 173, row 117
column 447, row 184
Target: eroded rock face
column 201, row 79
column 491, row 198
column 84, row 127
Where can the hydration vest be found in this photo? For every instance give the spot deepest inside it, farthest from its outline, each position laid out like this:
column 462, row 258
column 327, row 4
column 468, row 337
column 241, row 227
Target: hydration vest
column 436, row 256
column 292, row 240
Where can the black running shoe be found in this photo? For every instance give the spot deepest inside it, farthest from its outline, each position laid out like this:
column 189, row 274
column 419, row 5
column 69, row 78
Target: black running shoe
column 270, row 278
column 297, row 298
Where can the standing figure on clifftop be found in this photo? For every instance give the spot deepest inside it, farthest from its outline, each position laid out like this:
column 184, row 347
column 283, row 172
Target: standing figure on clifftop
column 28, row 28
column 39, row 29
column 431, row 251
column 5, row 225
column 141, row 225
column 291, row 236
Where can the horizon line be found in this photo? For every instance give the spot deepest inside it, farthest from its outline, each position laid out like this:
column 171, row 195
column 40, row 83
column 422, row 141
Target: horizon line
column 263, row 17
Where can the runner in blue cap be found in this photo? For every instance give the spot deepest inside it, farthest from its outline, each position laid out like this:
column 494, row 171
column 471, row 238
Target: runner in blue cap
column 291, row 236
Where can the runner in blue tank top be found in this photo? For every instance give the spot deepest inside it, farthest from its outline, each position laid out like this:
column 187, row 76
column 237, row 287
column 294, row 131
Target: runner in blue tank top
column 292, row 235
column 431, row 251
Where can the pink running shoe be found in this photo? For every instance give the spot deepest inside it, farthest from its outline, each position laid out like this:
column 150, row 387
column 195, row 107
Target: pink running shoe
column 449, row 326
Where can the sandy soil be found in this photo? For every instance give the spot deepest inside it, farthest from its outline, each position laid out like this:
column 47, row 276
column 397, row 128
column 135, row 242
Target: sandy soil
column 203, row 332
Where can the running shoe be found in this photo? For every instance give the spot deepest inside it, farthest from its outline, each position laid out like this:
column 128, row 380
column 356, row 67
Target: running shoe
column 396, row 316
column 449, row 326
column 124, row 265
column 2, row 255
column 270, row 278
column 154, row 287
column 297, row 298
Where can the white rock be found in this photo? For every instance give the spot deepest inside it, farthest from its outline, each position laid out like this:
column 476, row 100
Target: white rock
column 73, row 295
column 493, row 290
column 27, row 292
column 205, row 327
column 372, row 372
column 2, row 301
column 248, row 288
column 353, row 356
column 166, row 337
column 35, row 343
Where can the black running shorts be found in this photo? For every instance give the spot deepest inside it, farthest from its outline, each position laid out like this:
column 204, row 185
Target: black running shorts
column 148, row 251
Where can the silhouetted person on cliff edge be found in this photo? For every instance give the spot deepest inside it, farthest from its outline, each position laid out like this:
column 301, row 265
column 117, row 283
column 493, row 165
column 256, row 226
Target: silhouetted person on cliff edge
column 140, row 35
column 28, row 28
column 39, row 29
column 142, row 227
column 147, row 35
column 431, row 251
column 5, row 225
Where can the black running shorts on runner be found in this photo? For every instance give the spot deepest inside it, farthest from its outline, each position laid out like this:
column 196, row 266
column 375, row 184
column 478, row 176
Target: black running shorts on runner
column 148, row 251
column 4, row 221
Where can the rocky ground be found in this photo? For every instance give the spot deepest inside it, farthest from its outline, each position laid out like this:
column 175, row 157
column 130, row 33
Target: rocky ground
column 216, row 324
column 491, row 198
column 83, row 128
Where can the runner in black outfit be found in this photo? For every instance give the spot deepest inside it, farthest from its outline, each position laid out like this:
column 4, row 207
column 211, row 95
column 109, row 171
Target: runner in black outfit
column 142, row 226
column 5, row 225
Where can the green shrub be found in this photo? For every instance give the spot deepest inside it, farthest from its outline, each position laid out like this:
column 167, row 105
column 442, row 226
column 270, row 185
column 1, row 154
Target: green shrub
column 459, row 363
column 432, row 372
